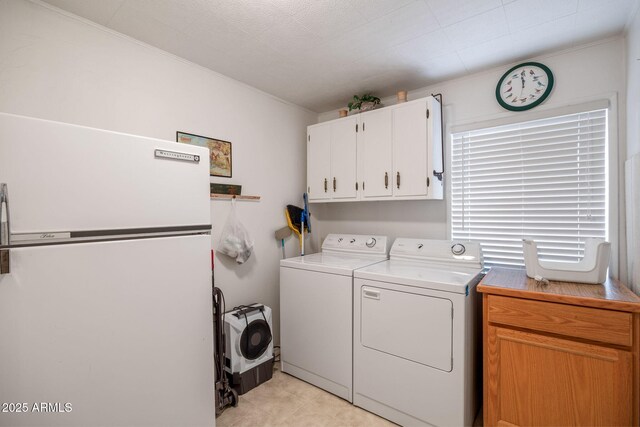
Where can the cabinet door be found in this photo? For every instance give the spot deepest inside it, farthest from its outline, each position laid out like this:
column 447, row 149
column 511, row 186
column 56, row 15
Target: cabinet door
column 374, row 139
column 62, row 339
column 540, row 380
column 410, row 149
column 343, row 159
column 318, row 161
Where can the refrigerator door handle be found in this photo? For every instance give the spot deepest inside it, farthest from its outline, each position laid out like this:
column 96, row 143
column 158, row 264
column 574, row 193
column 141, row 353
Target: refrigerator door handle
column 4, row 215
column 4, row 229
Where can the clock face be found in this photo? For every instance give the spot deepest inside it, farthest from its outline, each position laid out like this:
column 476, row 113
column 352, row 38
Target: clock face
column 524, row 86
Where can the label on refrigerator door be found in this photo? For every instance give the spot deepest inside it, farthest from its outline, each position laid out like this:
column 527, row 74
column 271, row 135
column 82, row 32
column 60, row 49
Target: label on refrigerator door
column 174, row 155
column 38, row 237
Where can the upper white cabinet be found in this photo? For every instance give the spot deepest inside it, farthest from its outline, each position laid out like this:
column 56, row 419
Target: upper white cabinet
column 318, row 161
column 374, row 152
column 331, row 160
column 415, row 162
column 343, row 159
column 410, row 150
column 393, row 153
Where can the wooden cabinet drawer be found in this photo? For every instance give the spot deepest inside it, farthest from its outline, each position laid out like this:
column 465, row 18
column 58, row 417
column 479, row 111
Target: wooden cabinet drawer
column 595, row 324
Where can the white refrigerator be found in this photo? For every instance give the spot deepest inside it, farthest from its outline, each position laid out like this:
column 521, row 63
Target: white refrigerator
column 105, row 284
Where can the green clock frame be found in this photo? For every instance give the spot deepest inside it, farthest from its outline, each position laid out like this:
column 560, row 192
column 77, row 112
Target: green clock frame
column 542, row 98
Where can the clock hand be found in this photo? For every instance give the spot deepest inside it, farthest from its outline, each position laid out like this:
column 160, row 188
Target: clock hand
column 521, row 90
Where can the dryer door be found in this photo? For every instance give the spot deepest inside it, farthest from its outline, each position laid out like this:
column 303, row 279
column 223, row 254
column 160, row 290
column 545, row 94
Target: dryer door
column 415, row 327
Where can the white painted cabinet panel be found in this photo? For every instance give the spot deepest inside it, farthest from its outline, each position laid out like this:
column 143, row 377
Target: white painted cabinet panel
column 375, row 152
column 318, row 161
column 344, row 159
column 410, row 149
column 393, row 153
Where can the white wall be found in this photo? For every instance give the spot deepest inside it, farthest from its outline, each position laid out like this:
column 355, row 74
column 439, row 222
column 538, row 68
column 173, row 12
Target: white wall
column 633, row 151
column 633, row 87
column 59, row 67
column 590, row 72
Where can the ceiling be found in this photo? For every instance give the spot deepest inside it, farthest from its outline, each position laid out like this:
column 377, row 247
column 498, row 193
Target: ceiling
column 319, row 53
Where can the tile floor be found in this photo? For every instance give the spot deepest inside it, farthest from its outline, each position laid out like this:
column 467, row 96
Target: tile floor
column 287, row 401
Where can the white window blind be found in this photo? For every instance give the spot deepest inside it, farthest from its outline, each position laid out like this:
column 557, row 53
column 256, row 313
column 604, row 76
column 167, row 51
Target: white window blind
column 542, row 179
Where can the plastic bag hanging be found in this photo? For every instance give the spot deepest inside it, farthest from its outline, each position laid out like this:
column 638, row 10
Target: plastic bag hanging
column 235, row 241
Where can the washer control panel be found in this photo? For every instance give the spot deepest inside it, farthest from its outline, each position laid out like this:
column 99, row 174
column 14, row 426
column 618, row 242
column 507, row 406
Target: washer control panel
column 355, row 243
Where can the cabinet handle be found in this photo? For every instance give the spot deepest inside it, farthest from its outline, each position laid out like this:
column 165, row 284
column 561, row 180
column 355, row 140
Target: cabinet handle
column 334, row 184
column 308, row 189
column 386, row 180
column 325, row 185
column 398, row 179
column 362, row 185
column 356, row 185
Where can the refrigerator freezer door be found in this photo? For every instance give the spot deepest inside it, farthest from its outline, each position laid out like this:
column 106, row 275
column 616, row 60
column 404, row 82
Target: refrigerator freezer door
column 118, row 330
column 65, row 178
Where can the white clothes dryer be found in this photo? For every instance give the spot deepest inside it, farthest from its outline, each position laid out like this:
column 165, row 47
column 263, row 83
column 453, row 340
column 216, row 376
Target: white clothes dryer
column 316, row 310
column 415, row 333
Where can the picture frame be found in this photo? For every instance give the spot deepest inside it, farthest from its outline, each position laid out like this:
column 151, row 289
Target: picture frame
column 220, row 159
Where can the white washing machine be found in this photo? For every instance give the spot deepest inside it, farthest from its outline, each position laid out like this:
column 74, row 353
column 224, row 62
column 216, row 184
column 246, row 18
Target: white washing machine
column 316, row 310
column 416, row 334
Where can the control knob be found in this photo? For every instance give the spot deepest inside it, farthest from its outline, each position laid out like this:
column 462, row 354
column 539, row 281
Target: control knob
column 458, row 249
column 371, row 242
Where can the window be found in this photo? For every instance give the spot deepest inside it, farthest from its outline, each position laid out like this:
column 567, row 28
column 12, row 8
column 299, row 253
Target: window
column 543, row 179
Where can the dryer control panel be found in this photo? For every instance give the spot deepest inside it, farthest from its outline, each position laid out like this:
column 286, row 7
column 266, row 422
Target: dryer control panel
column 456, row 252
column 356, row 244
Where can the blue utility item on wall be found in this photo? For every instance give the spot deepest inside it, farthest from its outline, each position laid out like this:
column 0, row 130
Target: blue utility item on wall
column 299, row 220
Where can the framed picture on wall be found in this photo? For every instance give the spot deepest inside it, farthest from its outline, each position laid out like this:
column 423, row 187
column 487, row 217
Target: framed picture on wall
column 219, row 152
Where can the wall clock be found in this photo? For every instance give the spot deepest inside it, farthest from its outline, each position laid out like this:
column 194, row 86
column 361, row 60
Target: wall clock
column 524, row 86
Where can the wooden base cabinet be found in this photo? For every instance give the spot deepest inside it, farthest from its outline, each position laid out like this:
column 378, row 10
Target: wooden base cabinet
column 556, row 359
column 540, row 380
